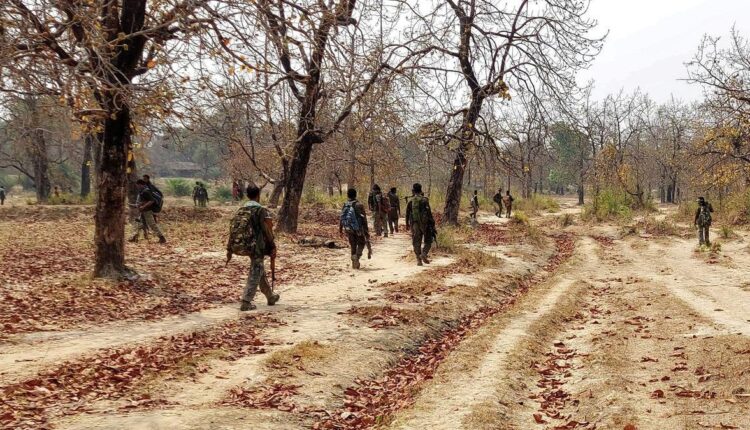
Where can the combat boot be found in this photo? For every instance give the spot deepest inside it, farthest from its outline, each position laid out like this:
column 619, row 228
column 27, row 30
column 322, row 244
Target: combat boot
column 273, row 299
column 419, row 260
column 162, row 239
column 247, row 306
column 425, row 259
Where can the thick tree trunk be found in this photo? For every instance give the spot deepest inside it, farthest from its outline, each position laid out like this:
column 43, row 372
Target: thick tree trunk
column 37, row 152
column 581, row 192
column 295, row 182
column 86, row 167
column 453, row 194
column 40, row 162
column 109, row 233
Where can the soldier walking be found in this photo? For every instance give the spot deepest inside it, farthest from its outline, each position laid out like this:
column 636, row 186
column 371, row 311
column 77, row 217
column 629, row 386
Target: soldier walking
column 703, row 221
column 395, row 212
column 421, row 223
column 148, row 204
column 508, row 202
column 498, row 199
column 196, row 193
column 353, row 222
column 259, row 225
column 474, row 207
column 379, row 206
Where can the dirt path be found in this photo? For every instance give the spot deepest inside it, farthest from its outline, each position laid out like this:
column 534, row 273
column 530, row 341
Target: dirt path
column 313, row 313
column 465, row 382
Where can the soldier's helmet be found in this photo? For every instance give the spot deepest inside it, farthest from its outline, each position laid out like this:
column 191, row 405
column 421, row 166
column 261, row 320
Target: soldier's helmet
column 416, row 188
column 376, row 187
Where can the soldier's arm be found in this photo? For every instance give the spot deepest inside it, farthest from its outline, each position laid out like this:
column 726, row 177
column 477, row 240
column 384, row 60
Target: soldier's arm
column 697, row 213
column 408, row 213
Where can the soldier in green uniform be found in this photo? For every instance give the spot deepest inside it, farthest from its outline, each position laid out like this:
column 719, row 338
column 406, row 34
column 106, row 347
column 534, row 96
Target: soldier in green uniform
column 265, row 245
column 353, row 222
column 703, row 221
column 421, row 223
column 395, row 211
column 474, row 208
column 379, row 206
column 147, row 203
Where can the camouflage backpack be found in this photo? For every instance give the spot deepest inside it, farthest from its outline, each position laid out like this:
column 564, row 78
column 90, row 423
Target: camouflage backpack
column 704, row 216
column 244, row 230
column 418, row 209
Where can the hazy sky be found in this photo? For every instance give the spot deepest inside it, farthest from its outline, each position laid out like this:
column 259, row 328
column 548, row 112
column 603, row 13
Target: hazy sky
column 650, row 40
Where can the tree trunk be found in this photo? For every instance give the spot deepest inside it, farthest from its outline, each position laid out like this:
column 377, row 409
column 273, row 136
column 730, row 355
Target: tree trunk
column 295, row 182
column 278, row 188
column 86, row 167
column 40, row 162
column 453, row 194
column 109, row 233
column 580, row 195
column 37, row 152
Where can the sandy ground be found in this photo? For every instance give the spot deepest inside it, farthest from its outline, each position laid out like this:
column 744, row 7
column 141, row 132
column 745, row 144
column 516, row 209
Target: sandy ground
column 632, row 332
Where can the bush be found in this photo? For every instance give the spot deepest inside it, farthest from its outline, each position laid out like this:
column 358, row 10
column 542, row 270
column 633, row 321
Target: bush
column 608, row 205
column 446, row 240
column 565, row 220
column 223, row 194
column 71, row 199
column 312, row 196
column 726, row 232
column 179, row 187
column 661, row 227
column 537, row 203
column 519, row 218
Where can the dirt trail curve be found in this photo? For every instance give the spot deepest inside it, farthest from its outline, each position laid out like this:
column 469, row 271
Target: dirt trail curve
column 311, row 304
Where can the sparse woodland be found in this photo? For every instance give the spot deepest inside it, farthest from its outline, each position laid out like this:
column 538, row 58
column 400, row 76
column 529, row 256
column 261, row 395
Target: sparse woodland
column 307, row 98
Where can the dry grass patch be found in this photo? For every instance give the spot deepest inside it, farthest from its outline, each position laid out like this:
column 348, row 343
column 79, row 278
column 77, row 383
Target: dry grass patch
column 303, row 353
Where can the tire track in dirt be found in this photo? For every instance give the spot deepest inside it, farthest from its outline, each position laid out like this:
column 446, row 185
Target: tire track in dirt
column 457, row 390
column 712, row 290
column 625, row 354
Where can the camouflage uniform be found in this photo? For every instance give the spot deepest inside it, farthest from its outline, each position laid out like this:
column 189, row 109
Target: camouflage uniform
column 422, row 226
column 379, row 217
column 498, row 199
column 257, row 274
column 703, row 222
column 358, row 240
column 148, row 221
column 395, row 212
column 508, row 202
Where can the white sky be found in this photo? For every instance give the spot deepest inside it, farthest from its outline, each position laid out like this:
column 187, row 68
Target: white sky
column 650, row 40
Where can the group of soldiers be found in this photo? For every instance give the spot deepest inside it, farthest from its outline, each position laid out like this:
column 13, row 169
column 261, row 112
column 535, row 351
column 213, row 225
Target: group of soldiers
column 200, row 195
column 386, row 210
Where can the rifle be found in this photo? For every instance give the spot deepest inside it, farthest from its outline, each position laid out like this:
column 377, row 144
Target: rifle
column 273, row 271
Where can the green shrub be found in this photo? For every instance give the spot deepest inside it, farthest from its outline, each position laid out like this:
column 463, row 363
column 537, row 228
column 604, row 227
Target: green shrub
column 446, row 240
column 726, row 232
column 519, row 218
column 71, row 199
column 223, row 194
column 179, row 187
column 609, row 205
column 537, row 203
column 312, row 196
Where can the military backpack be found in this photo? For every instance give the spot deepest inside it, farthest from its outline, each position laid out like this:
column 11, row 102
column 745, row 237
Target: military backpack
column 349, row 221
column 704, row 215
column 244, row 232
